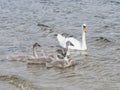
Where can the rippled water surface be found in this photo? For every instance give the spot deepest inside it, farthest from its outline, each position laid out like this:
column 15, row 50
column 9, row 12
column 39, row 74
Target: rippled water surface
column 24, row 22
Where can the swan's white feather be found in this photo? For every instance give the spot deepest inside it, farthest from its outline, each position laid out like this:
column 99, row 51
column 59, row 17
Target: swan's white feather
column 62, row 41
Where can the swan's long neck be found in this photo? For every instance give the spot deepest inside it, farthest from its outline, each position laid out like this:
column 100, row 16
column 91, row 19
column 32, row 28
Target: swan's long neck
column 35, row 53
column 84, row 46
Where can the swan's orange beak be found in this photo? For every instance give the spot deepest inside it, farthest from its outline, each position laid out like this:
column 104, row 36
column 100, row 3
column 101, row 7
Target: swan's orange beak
column 84, row 29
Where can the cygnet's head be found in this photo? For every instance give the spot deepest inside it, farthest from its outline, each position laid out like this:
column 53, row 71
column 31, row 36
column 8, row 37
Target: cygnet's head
column 36, row 45
column 68, row 43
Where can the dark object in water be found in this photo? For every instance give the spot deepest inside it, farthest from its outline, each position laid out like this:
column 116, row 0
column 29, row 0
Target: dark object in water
column 103, row 39
column 67, row 35
column 43, row 25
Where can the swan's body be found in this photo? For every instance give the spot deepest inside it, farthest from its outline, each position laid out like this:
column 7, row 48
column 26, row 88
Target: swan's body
column 76, row 45
column 25, row 57
column 62, row 63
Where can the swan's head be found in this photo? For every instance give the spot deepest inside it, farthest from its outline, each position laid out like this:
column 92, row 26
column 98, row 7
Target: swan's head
column 84, row 27
column 36, row 45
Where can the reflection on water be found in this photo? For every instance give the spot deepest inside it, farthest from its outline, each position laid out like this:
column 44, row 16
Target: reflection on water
column 23, row 23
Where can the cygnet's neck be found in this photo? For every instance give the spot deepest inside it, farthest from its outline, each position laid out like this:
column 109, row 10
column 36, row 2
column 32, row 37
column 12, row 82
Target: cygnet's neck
column 67, row 53
column 35, row 53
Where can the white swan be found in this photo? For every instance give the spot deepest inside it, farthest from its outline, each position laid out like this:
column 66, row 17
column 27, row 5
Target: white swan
column 63, row 63
column 25, row 57
column 76, row 45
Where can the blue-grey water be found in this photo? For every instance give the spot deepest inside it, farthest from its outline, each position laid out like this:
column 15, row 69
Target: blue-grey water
column 22, row 24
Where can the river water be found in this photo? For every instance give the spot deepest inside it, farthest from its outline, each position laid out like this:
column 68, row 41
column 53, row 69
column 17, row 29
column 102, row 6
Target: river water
column 24, row 22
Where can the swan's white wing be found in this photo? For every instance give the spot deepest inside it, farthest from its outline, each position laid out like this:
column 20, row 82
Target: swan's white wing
column 75, row 42
column 61, row 40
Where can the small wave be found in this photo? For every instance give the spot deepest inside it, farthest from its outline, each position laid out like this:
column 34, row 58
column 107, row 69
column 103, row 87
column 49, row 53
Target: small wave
column 18, row 82
column 115, row 2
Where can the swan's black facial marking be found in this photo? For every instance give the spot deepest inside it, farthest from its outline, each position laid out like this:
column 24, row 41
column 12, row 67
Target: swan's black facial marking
column 84, row 26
